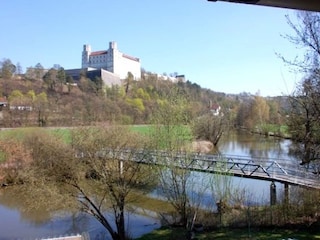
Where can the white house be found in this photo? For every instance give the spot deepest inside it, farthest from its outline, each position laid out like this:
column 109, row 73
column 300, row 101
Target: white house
column 215, row 109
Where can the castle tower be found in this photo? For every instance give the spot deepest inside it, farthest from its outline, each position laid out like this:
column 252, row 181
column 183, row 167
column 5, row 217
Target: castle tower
column 113, row 45
column 86, row 55
column 112, row 55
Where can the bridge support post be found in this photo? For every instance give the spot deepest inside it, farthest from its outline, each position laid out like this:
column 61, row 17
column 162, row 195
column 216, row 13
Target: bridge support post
column 286, row 194
column 273, row 194
column 121, row 167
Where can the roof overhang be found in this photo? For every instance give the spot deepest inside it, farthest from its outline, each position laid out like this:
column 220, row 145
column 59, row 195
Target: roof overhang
column 309, row 5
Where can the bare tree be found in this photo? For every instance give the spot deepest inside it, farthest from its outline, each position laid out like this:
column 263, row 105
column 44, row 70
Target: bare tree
column 98, row 171
column 171, row 138
column 7, row 69
column 18, row 69
column 307, row 38
column 305, row 100
column 110, row 158
column 13, row 161
column 253, row 113
column 304, row 120
column 209, row 127
column 128, row 82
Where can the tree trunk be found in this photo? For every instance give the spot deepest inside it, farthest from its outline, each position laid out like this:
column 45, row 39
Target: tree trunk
column 120, row 221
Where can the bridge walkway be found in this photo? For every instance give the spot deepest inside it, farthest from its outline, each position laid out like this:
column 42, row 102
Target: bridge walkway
column 279, row 170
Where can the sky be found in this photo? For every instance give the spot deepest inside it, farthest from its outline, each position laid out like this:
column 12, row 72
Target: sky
column 226, row 47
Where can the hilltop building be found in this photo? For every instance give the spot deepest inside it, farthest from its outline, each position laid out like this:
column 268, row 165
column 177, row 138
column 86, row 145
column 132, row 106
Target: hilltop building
column 215, row 109
column 110, row 65
column 173, row 78
column 111, row 60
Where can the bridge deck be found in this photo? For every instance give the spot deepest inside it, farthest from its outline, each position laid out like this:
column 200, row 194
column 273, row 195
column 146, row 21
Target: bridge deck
column 73, row 237
column 283, row 171
column 280, row 170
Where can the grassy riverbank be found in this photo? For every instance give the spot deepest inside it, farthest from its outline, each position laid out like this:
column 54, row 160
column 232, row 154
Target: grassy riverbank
column 19, row 133
column 166, row 233
column 63, row 133
column 272, row 130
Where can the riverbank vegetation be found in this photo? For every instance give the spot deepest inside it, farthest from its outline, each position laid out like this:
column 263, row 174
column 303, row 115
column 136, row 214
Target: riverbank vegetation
column 44, row 162
column 303, row 118
column 235, row 233
column 97, row 171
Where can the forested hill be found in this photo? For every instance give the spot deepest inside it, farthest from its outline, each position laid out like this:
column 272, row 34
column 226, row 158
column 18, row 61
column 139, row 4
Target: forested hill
column 57, row 101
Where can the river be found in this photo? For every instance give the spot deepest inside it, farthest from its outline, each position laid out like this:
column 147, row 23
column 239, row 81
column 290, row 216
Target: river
column 242, row 143
column 20, row 221
column 17, row 222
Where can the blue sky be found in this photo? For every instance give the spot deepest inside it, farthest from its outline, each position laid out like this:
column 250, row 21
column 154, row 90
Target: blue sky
column 226, row 47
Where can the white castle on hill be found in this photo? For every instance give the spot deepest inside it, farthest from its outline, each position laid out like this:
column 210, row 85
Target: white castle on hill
column 110, row 65
column 111, row 60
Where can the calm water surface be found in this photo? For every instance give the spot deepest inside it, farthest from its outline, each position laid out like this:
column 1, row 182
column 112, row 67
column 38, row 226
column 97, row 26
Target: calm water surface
column 258, row 146
column 18, row 223
column 242, row 143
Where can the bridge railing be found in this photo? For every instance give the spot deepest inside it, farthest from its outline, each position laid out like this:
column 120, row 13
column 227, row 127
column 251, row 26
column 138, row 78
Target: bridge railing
column 228, row 164
column 278, row 167
column 267, row 168
column 241, row 165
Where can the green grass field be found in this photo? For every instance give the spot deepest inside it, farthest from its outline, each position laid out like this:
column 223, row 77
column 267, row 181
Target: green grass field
column 64, row 133
column 19, row 133
column 144, row 129
column 276, row 129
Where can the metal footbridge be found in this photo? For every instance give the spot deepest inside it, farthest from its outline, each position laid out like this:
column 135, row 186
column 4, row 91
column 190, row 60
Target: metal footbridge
column 278, row 170
column 286, row 171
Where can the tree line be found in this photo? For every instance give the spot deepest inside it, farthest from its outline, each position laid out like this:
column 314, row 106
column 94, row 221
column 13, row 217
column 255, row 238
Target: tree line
column 90, row 101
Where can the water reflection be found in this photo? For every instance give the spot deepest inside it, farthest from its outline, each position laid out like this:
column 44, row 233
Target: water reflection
column 17, row 200
column 19, row 221
column 242, row 143
column 213, row 187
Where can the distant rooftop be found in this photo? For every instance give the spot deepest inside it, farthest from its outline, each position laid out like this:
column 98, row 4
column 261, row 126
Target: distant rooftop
column 96, row 53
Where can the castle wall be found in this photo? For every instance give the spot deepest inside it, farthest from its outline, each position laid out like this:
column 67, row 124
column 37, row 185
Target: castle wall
column 98, row 61
column 123, row 65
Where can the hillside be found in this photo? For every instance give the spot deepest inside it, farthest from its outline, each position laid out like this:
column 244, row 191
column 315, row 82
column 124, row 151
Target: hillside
column 48, row 101
column 34, row 102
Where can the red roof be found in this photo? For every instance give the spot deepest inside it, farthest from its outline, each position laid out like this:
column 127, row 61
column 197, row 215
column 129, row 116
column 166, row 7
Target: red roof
column 131, row 58
column 215, row 107
column 98, row 53
column 3, row 99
